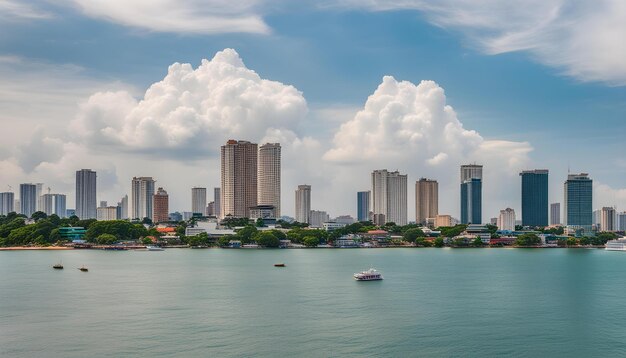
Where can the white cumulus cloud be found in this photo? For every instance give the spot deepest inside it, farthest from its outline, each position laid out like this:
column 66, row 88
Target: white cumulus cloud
column 192, row 111
column 411, row 128
column 582, row 39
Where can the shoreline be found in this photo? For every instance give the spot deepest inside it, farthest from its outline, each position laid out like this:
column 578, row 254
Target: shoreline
column 18, row 248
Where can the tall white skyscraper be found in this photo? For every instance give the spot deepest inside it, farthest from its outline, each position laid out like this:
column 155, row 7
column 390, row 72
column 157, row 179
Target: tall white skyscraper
column 198, row 200
column 28, row 199
column 555, row 214
column 303, row 204
column 54, row 204
column 268, row 188
column 426, row 200
column 239, row 178
column 608, row 218
column 317, row 218
column 39, row 194
column 142, row 189
column 7, row 200
column 217, row 197
column 506, row 220
column 123, row 204
column 389, row 197
column 86, row 194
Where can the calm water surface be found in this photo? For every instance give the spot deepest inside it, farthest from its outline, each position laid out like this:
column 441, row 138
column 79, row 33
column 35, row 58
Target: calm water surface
column 234, row 303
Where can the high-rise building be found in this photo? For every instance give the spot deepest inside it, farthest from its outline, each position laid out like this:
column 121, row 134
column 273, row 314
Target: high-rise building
column 535, row 197
column 389, row 197
column 303, row 204
column 123, row 204
column 578, row 200
column 103, row 204
column 621, row 221
column 28, row 199
column 142, row 189
column 17, row 206
column 160, row 206
column 38, row 195
column 555, row 214
column 198, row 200
column 608, row 219
column 426, row 200
column 363, row 205
column 86, row 194
column 268, row 176
column 318, row 218
column 471, row 201
column 471, row 193
column 210, row 209
column 443, row 220
column 217, row 196
column 239, row 178
column 54, row 204
column 7, row 200
column 106, row 213
column 471, row 171
column 506, row 220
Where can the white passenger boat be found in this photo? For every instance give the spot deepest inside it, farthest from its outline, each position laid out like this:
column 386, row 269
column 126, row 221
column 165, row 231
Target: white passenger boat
column 616, row 245
column 154, row 248
column 369, row 275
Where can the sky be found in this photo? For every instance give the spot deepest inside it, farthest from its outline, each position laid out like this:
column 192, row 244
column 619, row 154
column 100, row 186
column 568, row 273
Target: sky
column 154, row 88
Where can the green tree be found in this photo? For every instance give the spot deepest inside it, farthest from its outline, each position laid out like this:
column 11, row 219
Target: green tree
column 478, row 242
column 146, row 221
column 259, row 222
column 55, row 235
column 571, row 241
column 38, row 215
column 452, row 231
column 439, row 242
column 412, row 234
column 246, row 233
column 527, row 240
column 311, row 241
column 144, row 240
column 106, row 239
column 602, row 237
column 224, row 240
column 266, row 239
column 202, row 239
column 584, row 241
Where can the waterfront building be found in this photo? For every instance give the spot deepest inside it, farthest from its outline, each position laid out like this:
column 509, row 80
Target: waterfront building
column 471, row 193
column 198, row 200
column 363, row 205
column 318, row 218
column 160, row 206
column 578, row 200
column 106, row 213
column 426, row 200
column 28, row 199
column 303, row 204
column 86, row 194
column 142, row 190
column 262, row 212
column 471, row 201
column 506, row 220
column 555, row 214
column 621, row 221
column 123, row 204
column 268, row 176
column 534, row 197
column 238, row 178
column 53, row 204
column 217, row 196
column 332, row 226
column 608, row 219
column 443, row 220
column 7, row 200
column 389, row 197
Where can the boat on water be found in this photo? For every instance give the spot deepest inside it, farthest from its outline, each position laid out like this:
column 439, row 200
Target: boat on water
column 58, row 266
column 83, row 268
column 279, row 265
column 154, row 248
column 369, row 275
column 616, row 245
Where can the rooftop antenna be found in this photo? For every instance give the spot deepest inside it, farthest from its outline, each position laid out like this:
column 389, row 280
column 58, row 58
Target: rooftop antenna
column 48, row 190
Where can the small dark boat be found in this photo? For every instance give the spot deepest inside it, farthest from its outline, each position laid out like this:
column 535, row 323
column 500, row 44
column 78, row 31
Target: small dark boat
column 58, row 266
column 83, row 269
column 279, row 265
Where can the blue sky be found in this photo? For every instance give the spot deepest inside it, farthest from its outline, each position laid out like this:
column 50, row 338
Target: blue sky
column 337, row 55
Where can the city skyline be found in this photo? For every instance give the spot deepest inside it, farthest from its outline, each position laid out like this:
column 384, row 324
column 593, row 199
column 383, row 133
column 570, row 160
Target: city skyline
column 462, row 94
